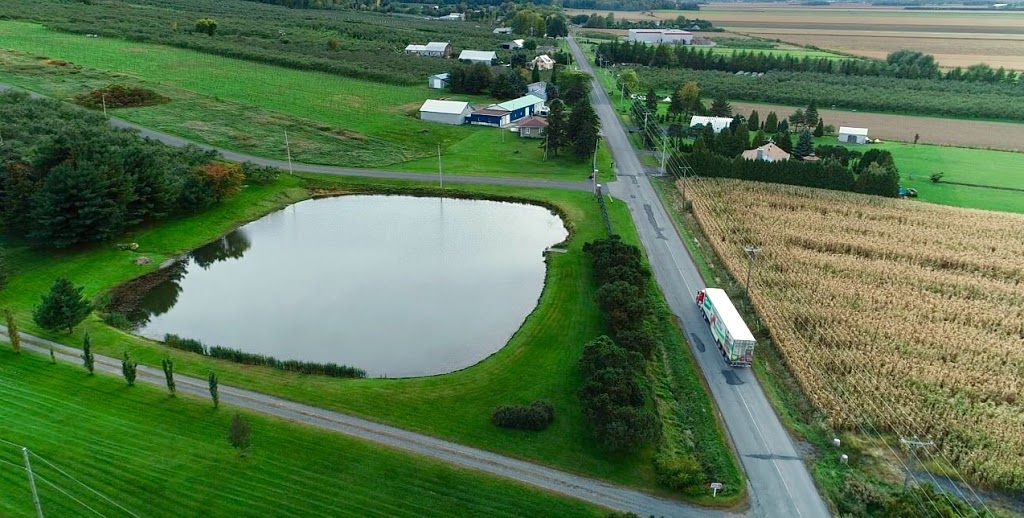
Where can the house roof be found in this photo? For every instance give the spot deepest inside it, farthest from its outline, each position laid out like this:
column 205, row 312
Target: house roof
column 492, row 111
column 443, row 77
column 543, row 58
column 503, row 30
column 534, row 122
column 716, row 122
column 448, row 107
column 415, row 48
column 539, row 85
column 478, row 55
column 770, row 150
column 863, row 132
column 522, row 102
column 437, row 46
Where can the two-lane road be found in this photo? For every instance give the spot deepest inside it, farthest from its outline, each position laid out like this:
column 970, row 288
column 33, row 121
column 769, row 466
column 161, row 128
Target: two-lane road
column 780, row 484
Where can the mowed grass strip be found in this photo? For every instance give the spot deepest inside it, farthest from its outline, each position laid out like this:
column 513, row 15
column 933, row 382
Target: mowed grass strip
column 539, row 362
column 162, row 456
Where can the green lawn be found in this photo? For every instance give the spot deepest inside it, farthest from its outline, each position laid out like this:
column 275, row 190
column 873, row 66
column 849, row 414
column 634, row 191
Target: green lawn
column 248, row 107
column 161, row 456
column 538, row 362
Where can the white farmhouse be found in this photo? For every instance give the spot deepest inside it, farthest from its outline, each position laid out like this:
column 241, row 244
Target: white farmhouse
column 848, row 135
column 717, row 123
column 445, row 112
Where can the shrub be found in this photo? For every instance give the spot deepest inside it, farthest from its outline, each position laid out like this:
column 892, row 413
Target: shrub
column 240, row 434
column 185, row 344
column 120, row 96
column 678, row 472
column 118, row 320
column 63, row 307
column 259, row 174
column 535, row 416
column 225, row 180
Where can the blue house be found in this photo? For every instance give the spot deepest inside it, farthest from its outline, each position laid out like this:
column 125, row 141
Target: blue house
column 490, row 116
column 524, row 106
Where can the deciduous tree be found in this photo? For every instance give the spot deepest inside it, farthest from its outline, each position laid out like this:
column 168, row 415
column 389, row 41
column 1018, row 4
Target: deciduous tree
column 64, row 307
column 129, row 369
column 88, row 360
column 211, row 380
column 168, row 367
column 12, row 331
column 206, row 26
column 240, row 433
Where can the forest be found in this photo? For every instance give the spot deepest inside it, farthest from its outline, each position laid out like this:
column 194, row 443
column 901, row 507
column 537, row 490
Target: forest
column 68, row 177
column 350, row 43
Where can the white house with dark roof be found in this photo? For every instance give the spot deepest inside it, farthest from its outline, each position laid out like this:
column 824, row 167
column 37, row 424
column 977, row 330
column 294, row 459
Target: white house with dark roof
column 478, row 56
column 445, row 112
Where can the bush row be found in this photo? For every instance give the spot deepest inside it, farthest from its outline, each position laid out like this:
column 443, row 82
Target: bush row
column 535, row 416
column 246, row 358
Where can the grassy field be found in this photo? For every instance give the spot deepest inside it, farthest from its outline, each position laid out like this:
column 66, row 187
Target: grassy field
column 162, row 456
column 248, row 107
column 539, row 362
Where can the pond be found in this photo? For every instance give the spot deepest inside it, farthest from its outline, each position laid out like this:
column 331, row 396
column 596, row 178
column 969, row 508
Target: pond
column 396, row 285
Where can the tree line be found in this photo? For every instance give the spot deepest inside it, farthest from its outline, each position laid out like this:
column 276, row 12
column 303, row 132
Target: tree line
column 68, row 177
column 596, row 21
column 246, row 358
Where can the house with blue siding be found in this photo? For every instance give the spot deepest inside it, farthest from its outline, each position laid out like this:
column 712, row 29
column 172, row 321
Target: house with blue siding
column 505, row 113
column 490, row 116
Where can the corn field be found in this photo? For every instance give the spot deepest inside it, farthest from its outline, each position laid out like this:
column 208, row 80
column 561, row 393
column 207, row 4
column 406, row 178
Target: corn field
column 896, row 317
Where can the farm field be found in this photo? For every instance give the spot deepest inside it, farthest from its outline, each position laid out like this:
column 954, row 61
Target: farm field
column 933, row 130
column 247, row 107
column 161, row 456
column 893, row 314
column 956, row 38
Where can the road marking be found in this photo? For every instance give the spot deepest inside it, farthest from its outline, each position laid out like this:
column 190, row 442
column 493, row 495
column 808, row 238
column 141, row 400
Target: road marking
column 765, row 442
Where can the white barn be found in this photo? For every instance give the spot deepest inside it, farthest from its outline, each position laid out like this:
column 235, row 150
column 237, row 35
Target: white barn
column 445, row 112
column 848, row 135
column 717, row 123
column 437, row 49
column 478, row 56
column 438, row 81
column 660, row 36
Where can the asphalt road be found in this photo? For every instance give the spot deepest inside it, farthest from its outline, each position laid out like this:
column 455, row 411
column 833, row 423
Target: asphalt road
column 586, row 489
column 779, row 483
column 172, row 140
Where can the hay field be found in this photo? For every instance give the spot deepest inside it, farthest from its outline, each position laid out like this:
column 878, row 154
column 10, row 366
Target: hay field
column 893, row 315
column 956, row 38
column 933, row 130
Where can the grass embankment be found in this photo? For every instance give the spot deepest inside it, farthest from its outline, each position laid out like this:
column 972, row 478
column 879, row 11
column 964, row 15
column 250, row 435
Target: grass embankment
column 248, row 107
column 539, row 362
column 162, row 456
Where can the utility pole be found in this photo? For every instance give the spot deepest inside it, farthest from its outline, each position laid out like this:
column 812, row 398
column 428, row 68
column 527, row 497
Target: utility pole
column 440, row 175
column 103, row 97
column 664, row 153
column 913, row 444
column 288, row 147
column 32, row 483
column 751, row 251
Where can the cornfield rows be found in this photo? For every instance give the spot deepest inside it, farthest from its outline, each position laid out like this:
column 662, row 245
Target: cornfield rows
column 895, row 316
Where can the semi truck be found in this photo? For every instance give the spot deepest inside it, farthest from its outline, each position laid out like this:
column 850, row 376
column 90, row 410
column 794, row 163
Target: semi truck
column 731, row 333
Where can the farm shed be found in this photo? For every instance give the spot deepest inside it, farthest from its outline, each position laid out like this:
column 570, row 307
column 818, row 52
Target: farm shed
column 478, row 56
column 766, row 153
column 437, row 49
column 717, row 123
column 513, row 45
column 453, row 17
column 490, row 116
column 438, row 80
column 660, row 36
column 849, row 135
column 445, row 112
column 532, row 127
column 502, row 30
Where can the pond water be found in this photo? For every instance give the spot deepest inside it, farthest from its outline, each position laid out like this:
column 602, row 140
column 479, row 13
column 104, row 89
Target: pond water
column 396, row 285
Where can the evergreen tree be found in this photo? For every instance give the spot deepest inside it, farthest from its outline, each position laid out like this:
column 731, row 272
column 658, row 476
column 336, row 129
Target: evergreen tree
column 784, row 140
column 804, row 145
column 535, row 74
column 12, row 331
column 677, row 106
column 783, row 125
column 79, row 201
column 760, row 139
column 878, row 180
column 707, row 134
column 798, row 119
column 128, row 369
column 720, row 107
column 214, row 392
column 819, row 130
column 557, row 133
column 64, row 307
column 651, row 101
column 88, row 360
column 583, row 128
column 742, row 138
column 754, row 122
column 168, row 366
column 771, row 123
column 811, row 115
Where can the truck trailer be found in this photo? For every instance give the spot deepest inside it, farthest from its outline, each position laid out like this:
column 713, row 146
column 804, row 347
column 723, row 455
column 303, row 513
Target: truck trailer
column 734, row 339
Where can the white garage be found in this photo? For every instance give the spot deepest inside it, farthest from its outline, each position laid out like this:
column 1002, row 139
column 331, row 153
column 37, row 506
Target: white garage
column 445, row 112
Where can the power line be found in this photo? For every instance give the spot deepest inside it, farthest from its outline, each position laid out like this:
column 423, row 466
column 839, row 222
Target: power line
column 65, row 493
column 83, row 484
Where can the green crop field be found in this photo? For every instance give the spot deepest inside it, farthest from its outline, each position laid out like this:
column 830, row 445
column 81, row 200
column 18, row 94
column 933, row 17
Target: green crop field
column 248, row 107
column 161, row 456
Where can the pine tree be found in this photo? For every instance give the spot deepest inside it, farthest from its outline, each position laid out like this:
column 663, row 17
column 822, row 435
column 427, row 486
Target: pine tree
column 677, row 106
column 535, row 74
column 557, row 132
column 128, row 369
column 784, row 140
column 811, row 115
column 805, row 144
column 754, row 122
column 798, row 119
column 720, row 107
column 88, row 360
column 651, row 101
column 12, row 331
column 771, row 123
column 583, row 128
column 64, row 307
column 742, row 138
column 214, row 392
column 819, row 130
column 168, row 366
column 760, row 139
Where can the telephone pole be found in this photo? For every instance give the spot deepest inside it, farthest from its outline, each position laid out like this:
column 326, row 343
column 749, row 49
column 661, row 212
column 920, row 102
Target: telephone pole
column 752, row 251
column 440, row 175
column 913, row 444
column 664, row 153
column 288, row 147
column 32, row 483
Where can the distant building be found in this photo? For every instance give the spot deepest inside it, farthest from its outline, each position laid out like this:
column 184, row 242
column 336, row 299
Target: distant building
column 438, row 81
column 717, row 123
column 454, row 17
column 539, row 89
column 660, row 36
column 437, row 49
column 547, row 49
column 513, row 45
column 445, row 112
column 543, row 62
column 478, row 56
column 849, row 135
column 767, row 153
column 502, row 30
column 532, row 127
